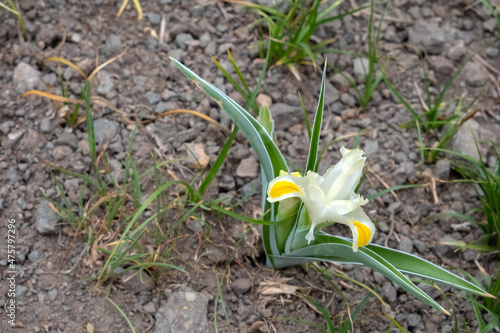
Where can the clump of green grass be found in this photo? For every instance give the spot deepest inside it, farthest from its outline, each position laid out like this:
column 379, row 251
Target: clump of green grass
column 73, row 118
column 117, row 208
column 372, row 79
column 486, row 183
column 433, row 118
column 487, row 312
column 290, row 33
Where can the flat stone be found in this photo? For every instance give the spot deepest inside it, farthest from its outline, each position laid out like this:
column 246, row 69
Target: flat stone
column 153, row 97
column 348, row 100
column 457, row 51
column 406, row 245
column 136, row 281
column 161, row 107
column 389, row 292
column 107, row 83
column 45, row 125
column 331, row 93
column 196, row 156
column 150, row 308
column 492, row 52
column 292, row 99
column 25, row 77
column 413, row 319
column 371, row 148
column 341, row 81
column 185, row 312
column 429, row 36
column 33, row 256
column 463, row 141
column 113, row 43
column 182, row 38
column 288, row 115
column 442, row 169
column 46, row 219
column 474, row 75
column 441, row 66
column 168, row 94
column 248, row 167
column 103, row 126
column 154, row 18
column 241, row 285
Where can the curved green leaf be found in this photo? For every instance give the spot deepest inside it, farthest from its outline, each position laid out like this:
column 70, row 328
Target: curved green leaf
column 330, row 248
column 312, row 159
column 268, row 153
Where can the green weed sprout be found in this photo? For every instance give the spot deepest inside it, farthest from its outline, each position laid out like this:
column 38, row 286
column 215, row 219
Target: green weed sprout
column 297, row 206
column 487, row 187
column 11, row 7
column 290, row 33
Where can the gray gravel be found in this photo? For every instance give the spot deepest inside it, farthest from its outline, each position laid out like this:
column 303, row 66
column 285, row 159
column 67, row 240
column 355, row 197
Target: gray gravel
column 46, row 219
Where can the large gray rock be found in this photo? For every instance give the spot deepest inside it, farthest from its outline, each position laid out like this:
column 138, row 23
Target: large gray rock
column 463, row 141
column 107, row 83
column 136, row 281
column 101, row 126
column 113, row 43
column 46, row 219
column 248, row 167
column 474, row 75
column 331, row 94
column 389, row 292
column 442, row 169
column 25, row 77
column 185, row 312
column 428, row 36
column 288, row 115
column 371, row 148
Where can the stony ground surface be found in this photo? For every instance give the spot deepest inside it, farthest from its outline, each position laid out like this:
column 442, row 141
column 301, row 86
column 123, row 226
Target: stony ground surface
column 56, row 290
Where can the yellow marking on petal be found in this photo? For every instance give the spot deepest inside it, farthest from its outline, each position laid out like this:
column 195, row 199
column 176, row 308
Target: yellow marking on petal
column 364, row 233
column 283, row 172
column 296, row 174
column 282, row 188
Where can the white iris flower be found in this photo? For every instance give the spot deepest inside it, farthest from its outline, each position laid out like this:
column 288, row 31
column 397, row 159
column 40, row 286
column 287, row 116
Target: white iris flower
column 329, row 198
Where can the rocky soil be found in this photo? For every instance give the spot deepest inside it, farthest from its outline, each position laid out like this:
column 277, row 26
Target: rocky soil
column 55, row 285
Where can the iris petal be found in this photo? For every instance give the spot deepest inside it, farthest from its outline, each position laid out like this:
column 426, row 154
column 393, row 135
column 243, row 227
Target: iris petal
column 364, row 233
column 282, row 188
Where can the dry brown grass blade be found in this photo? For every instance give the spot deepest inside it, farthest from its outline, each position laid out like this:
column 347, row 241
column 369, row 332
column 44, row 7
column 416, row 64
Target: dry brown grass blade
column 53, row 97
column 98, row 68
column 122, row 8
column 137, row 7
column 194, row 113
column 95, row 99
column 244, row 3
column 419, row 93
column 66, row 62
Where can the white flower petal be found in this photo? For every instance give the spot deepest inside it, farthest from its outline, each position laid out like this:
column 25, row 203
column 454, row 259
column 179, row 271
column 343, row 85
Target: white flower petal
column 341, row 179
column 330, row 198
